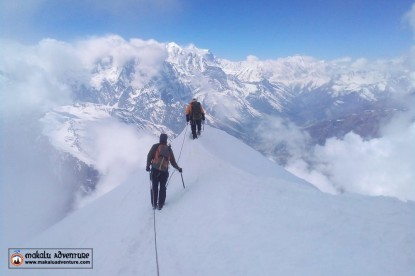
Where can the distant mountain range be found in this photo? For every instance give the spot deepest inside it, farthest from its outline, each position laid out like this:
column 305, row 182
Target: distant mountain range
column 323, row 98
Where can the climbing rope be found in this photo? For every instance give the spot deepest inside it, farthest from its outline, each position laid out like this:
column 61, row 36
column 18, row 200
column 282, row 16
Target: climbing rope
column 180, row 154
column 154, row 227
column 184, row 138
column 155, row 242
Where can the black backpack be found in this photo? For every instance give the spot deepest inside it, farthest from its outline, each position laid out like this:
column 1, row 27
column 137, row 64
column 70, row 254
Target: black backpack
column 196, row 111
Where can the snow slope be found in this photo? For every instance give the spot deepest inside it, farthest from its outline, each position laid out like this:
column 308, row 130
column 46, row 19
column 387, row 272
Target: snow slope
column 240, row 214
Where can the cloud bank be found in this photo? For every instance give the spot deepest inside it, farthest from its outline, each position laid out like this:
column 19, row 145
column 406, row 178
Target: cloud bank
column 379, row 167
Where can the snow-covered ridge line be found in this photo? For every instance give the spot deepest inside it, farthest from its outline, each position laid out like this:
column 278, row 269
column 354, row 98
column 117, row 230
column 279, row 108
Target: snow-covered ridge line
column 243, row 213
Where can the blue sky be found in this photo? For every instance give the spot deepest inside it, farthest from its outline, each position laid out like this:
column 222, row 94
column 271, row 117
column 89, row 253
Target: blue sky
column 325, row 29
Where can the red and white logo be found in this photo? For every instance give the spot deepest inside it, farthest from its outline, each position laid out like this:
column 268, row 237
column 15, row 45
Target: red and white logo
column 16, row 259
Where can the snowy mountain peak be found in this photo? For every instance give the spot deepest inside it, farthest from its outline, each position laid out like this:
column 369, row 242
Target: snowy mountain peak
column 189, row 55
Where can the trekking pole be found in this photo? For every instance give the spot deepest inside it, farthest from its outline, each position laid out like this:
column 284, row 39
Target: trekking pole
column 181, row 174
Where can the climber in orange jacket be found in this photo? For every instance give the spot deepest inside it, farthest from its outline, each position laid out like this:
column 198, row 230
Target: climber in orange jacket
column 195, row 114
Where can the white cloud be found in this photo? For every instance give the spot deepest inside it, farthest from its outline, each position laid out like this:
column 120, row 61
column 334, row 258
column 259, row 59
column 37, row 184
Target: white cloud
column 382, row 166
column 303, row 170
column 148, row 57
column 377, row 167
column 35, row 77
column 273, row 132
column 117, row 151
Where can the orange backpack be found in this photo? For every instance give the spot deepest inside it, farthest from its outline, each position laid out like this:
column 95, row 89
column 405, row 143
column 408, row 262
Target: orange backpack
column 161, row 158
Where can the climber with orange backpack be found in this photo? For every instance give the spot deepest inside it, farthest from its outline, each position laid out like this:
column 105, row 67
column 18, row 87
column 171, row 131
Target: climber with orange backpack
column 159, row 156
column 195, row 114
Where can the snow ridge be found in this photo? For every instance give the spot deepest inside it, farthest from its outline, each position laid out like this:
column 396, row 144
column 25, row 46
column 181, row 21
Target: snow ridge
column 240, row 214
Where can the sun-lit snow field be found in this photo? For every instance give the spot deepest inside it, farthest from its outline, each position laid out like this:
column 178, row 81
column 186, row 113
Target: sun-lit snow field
column 240, row 214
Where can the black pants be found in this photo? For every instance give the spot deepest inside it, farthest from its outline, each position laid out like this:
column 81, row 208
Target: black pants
column 196, row 124
column 158, row 196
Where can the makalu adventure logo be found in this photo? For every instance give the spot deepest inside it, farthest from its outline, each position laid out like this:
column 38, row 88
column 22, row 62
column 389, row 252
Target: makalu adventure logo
column 51, row 258
column 16, row 259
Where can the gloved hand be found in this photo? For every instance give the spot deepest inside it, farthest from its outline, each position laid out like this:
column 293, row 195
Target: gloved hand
column 180, row 170
column 148, row 168
column 203, row 116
